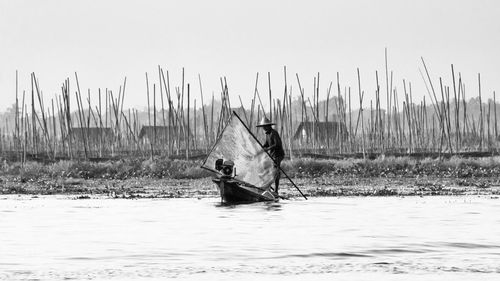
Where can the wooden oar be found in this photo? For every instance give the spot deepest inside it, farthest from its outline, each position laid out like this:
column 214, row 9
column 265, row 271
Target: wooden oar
column 291, row 181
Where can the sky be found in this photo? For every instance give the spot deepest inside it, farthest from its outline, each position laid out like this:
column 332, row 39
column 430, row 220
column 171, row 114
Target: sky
column 106, row 41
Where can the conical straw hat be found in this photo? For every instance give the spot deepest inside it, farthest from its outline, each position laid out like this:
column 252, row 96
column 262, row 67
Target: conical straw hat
column 265, row 122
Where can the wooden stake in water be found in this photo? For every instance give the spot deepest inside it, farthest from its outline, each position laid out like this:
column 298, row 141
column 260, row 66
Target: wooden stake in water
column 481, row 125
column 149, row 114
column 495, row 112
column 205, row 125
column 188, row 130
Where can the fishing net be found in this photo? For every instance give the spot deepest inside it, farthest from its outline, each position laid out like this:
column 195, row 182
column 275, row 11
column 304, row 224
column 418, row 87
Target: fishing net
column 236, row 143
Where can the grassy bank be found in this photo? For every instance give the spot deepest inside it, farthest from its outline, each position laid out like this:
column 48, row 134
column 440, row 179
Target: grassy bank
column 118, row 169
column 164, row 177
column 396, row 167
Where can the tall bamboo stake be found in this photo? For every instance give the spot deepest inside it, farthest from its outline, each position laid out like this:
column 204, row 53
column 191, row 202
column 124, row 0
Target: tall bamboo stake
column 149, row 114
column 481, row 127
column 495, row 112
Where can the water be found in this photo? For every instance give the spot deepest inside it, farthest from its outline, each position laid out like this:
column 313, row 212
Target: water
column 385, row 238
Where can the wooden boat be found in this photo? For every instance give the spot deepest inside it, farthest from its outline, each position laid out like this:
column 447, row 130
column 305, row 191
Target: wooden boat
column 234, row 191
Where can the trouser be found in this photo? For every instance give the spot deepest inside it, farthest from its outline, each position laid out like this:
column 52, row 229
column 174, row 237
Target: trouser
column 277, row 175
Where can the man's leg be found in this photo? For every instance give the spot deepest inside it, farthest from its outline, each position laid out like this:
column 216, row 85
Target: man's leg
column 277, row 176
column 277, row 181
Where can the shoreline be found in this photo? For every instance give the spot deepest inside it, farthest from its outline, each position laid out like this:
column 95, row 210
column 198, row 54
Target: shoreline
column 203, row 188
column 166, row 178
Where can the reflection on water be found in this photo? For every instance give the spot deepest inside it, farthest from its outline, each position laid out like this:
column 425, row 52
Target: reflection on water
column 55, row 238
column 268, row 206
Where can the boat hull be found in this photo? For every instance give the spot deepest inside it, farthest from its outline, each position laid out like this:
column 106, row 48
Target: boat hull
column 232, row 191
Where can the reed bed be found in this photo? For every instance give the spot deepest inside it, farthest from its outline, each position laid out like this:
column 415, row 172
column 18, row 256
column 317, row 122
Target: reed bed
column 320, row 121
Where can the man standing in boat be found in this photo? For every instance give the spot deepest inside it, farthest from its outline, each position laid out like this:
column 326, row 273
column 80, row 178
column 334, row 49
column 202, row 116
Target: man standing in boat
column 274, row 147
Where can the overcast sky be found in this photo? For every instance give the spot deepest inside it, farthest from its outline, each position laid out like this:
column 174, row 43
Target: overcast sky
column 104, row 41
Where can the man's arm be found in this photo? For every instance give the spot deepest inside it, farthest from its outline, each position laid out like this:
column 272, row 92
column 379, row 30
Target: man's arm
column 265, row 145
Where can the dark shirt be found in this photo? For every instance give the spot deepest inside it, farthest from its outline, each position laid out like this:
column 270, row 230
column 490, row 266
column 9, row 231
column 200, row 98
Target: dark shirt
column 273, row 142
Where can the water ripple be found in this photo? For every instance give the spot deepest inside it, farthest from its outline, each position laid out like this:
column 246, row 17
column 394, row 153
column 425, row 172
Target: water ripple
column 465, row 245
column 329, row 255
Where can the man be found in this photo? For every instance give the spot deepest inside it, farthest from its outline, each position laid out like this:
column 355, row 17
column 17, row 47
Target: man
column 274, row 147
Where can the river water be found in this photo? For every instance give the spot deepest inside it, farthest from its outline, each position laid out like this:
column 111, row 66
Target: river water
column 347, row 238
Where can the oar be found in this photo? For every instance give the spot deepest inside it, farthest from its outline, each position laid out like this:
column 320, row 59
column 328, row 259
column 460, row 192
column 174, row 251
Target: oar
column 291, row 180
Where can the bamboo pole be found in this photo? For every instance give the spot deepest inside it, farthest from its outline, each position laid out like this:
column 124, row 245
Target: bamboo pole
column 342, row 114
column 244, row 111
column 155, row 138
column 165, row 130
column 270, row 95
column 326, row 117
column 481, row 124
column 33, row 120
column 488, row 124
column 188, row 130
column 457, row 109
column 149, row 114
column 495, row 113
column 212, row 120
column 17, row 138
column 205, row 125
column 194, row 127
column 360, row 114
column 54, row 131
column 170, row 121
column 388, row 92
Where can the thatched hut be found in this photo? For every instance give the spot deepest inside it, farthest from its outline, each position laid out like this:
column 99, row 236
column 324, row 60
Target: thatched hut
column 92, row 135
column 321, row 131
column 154, row 134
